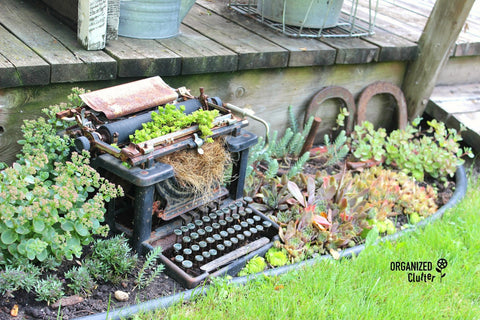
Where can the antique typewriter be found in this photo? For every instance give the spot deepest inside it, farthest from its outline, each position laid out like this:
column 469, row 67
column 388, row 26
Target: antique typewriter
column 201, row 237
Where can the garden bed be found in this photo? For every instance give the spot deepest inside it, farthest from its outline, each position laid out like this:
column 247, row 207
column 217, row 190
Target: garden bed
column 165, row 291
column 328, row 202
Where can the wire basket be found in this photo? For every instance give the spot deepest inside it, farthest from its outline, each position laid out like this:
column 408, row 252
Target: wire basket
column 313, row 19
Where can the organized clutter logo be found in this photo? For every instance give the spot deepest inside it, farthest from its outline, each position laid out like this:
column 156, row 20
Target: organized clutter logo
column 421, row 271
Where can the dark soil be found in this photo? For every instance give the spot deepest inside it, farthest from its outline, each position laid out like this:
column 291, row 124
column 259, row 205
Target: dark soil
column 102, row 298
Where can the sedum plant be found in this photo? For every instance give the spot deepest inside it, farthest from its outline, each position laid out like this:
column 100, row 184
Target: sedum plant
column 435, row 152
column 170, row 119
column 51, row 202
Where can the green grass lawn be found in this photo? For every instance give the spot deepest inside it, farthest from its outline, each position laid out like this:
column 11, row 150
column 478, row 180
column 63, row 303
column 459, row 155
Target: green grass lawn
column 364, row 287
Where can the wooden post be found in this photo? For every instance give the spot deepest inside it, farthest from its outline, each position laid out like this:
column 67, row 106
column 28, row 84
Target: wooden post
column 92, row 23
column 435, row 44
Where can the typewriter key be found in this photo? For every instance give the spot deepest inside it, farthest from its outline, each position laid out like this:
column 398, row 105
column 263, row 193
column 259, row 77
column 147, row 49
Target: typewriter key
column 248, row 211
column 206, row 255
column 231, row 231
column 228, row 245
column 253, row 231
column 250, row 221
column 203, row 245
column 199, row 223
column 226, row 212
column 187, row 264
column 213, row 216
column 217, row 237
column 229, row 220
column 199, row 260
column 241, row 238
column 178, row 235
column 210, row 241
column 179, row 259
column 237, row 227
column 235, row 216
column 219, row 214
column 234, row 241
column 206, row 220
column 259, row 227
column 244, row 225
column 208, row 230
column 220, row 249
column 215, row 226
column 187, row 252
column 256, row 218
column 195, row 249
column 177, row 247
column 223, row 224
column 223, row 234
column 184, row 230
column 213, row 254
column 186, row 240
column 201, row 233
column 239, row 204
column 248, row 200
column 191, row 226
column 194, row 236
column 232, row 207
column 266, row 225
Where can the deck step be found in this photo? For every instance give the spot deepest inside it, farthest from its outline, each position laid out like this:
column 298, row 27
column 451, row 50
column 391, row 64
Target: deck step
column 458, row 104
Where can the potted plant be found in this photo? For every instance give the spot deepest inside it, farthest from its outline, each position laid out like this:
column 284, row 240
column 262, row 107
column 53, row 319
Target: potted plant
column 302, row 13
column 152, row 19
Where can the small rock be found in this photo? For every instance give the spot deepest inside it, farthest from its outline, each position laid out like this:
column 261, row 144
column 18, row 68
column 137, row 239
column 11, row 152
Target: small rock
column 121, row 295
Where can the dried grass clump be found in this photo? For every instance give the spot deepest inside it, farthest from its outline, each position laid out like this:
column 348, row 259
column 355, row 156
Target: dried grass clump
column 200, row 173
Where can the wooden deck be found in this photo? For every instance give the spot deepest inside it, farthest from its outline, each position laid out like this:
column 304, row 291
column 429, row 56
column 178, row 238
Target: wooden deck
column 37, row 49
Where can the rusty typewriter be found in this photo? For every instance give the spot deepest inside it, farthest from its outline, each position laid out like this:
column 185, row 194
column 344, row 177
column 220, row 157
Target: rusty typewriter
column 200, row 236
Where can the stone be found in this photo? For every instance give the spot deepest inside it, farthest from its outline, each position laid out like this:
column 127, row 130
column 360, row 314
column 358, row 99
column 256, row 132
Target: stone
column 121, row 295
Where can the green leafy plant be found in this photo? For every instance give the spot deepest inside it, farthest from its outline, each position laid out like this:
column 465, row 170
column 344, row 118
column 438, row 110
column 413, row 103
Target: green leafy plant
column 171, row 119
column 51, row 201
column 144, row 279
column 276, row 257
column 115, row 257
column 255, row 265
column 16, row 278
column 80, row 280
column 49, row 289
column 338, row 150
column 435, row 152
column 391, row 194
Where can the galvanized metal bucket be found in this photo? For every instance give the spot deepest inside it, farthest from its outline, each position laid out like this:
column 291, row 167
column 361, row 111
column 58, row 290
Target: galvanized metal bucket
column 302, row 13
column 149, row 19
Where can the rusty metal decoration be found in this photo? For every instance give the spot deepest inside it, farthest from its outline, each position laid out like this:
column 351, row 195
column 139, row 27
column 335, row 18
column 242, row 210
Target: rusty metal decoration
column 379, row 88
column 333, row 92
column 130, row 98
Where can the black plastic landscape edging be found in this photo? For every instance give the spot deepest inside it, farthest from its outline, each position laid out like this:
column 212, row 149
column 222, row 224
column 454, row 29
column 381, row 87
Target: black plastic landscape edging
column 165, row 302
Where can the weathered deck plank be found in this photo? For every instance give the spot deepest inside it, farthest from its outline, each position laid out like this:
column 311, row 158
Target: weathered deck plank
column 21, row 66
column 459, row 104
column 302, row 52
column 200, row 54
column 143, row 58
column 254, row 52
column 468, row 43
column 392, row 47
column 56, row 44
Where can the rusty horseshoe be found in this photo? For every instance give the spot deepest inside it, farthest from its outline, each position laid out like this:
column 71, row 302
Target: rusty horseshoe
column 333, row 92
column 379, row 88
